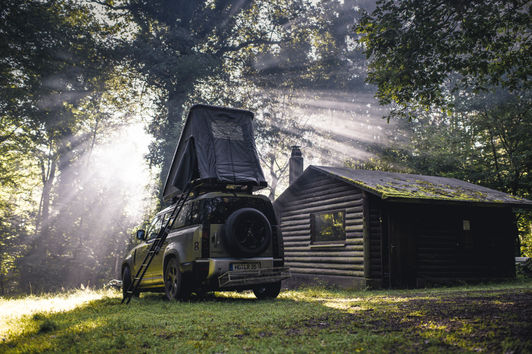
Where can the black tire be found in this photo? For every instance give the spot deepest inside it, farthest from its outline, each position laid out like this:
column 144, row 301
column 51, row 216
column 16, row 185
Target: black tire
column 267, row 291
column 126, row 280
column 247, row 233
column 173, row 279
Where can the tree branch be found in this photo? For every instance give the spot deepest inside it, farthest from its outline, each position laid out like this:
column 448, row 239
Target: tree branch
column 112, row 7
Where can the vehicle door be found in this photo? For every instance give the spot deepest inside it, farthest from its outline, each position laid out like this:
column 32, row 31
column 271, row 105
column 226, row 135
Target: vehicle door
column 156, row 267
column 185, row 235
column 143, row 248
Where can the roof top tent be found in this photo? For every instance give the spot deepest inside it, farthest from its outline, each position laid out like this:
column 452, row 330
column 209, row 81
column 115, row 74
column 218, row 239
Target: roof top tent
column 216, row 149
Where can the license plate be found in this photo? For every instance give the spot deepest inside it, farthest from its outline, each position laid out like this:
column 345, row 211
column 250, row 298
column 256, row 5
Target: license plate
column 244, row 266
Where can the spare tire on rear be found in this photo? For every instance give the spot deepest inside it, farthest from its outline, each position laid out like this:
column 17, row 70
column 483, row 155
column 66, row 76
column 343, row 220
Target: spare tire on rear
column 247, row 233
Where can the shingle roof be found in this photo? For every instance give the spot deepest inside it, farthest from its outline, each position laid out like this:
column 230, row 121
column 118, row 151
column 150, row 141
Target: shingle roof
column 389, row 185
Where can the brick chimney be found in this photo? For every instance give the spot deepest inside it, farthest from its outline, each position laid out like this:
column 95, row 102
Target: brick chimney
column 295, row 164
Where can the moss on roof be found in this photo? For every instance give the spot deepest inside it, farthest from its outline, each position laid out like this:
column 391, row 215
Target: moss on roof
column 409, row 186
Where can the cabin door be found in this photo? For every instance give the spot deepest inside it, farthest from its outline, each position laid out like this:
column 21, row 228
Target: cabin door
column 402, row 248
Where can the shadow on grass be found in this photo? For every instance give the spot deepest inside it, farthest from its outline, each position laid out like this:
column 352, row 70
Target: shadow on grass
column 304, row 320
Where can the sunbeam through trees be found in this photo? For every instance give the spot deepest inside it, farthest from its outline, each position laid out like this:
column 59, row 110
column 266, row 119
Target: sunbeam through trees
column 93, row 96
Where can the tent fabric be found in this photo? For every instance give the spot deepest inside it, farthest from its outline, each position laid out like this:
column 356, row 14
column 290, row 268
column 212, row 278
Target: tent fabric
column 188, row 166
column 217, row 146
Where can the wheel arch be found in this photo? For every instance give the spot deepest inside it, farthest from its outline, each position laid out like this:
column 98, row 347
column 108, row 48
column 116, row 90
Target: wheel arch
column 174, row 250
column 169, row 255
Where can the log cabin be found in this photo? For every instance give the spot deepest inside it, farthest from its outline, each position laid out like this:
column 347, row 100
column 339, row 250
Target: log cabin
column 356, row 228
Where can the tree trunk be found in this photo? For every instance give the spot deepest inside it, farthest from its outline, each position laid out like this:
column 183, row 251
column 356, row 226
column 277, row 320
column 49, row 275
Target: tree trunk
column 168, row 133
column 46, row 201
column 275, row 179
column 174, row 106
column 118, row 271
column 2, row 289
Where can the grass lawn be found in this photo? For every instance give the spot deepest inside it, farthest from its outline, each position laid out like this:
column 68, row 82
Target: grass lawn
column 493, row 318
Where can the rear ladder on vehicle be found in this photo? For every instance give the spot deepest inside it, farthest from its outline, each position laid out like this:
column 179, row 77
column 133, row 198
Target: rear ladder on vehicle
column 155, row 247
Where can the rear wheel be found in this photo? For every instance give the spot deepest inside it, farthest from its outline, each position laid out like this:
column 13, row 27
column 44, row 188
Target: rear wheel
column 172, row 279
column 267, row 291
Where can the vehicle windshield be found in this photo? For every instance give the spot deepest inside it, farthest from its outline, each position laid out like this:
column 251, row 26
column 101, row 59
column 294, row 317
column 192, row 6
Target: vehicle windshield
column 154, row 228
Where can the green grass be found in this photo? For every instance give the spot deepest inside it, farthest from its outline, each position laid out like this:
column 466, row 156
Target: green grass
column 493, row 318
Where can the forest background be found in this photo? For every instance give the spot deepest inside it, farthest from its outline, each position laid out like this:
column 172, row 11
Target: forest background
column 93, row 95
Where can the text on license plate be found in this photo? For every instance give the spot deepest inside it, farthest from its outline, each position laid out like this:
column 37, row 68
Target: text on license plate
column 244, row 266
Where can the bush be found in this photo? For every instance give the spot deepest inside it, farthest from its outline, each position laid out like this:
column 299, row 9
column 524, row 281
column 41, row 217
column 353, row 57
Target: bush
column 524, row 268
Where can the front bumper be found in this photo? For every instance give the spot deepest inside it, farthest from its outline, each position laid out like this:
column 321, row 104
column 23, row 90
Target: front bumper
column 251, row 277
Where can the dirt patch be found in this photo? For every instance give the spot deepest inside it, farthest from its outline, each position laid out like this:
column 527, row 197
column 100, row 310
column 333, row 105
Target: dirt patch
column 495, row 322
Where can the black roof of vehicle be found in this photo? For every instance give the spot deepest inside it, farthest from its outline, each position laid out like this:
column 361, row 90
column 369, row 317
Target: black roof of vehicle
column 216, row 146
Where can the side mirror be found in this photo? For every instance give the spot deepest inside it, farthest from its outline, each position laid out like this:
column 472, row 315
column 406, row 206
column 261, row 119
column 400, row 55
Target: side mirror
column 141, row 235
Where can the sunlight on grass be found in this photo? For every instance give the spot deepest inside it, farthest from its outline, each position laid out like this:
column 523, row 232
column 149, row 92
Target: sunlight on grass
column 12, row 310
column 235, row 295
column 305, row 320
column 342, row 300
column 433, row 326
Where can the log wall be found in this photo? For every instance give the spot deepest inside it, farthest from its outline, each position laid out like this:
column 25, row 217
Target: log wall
column 444, row 251
column 314, row 195
column 377, row 260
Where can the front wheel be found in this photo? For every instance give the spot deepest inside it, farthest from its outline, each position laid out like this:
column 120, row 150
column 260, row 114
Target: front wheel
column 126, row 281
column 267, row 291
column 172, row 279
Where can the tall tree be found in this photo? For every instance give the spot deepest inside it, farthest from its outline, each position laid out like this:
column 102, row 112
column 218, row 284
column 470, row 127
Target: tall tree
column 178, row 43
column 180, row 46
column 56, row 74
column 421, row 51
column 313, row 52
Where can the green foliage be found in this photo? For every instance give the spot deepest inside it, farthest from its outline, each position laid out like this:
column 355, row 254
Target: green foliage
column 61, row 93
column 524, row 269
column 524, row 227
column 419, row 52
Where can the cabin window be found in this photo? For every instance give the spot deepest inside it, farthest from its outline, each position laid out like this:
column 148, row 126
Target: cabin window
column 328, row 227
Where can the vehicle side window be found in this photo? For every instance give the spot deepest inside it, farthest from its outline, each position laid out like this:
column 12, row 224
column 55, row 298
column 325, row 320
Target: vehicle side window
column 155, row 227
column 189, row 215
column 181, row 218
column 193, row 217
